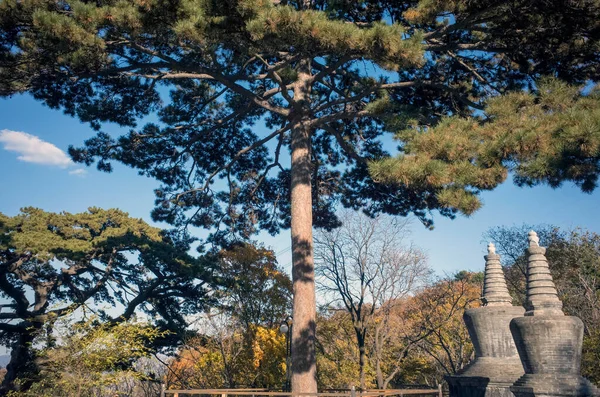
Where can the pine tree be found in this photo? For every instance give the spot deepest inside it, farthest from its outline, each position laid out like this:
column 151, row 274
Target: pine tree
column 328, row 79
column 54, row 264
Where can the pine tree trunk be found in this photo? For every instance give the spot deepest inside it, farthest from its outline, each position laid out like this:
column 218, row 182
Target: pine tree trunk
column 303, row 273
column 21, row 364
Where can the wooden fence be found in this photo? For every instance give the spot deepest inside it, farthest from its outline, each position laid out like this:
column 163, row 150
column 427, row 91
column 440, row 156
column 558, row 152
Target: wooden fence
column 266, row 393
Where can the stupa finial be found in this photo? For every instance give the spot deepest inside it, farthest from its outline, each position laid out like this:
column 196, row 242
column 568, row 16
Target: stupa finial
column 534, row 240
column 495, row 292
column 542, row 297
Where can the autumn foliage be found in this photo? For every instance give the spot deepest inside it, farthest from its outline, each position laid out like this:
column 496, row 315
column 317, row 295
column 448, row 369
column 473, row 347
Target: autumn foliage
column 425, row 338
column 252, row 357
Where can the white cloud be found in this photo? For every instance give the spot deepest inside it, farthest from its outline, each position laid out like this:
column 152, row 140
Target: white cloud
column 78, row 172
column 32, row 149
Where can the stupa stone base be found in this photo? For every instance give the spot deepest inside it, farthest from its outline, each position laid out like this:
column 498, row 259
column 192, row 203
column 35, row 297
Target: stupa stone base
column 550, row 350
column 477, row 386
column 489, row 329
column 494, row 369
column 552, row 385
column 486, row 377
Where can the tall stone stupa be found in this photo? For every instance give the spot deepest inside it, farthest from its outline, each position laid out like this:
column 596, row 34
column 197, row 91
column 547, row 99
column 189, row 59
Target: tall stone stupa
column 548, row 342
column 496, row 366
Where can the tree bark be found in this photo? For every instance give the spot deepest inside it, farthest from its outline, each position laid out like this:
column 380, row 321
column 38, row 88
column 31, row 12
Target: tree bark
column 378, row 358
column 362, row 355
column 21, row 362
column 304, row 371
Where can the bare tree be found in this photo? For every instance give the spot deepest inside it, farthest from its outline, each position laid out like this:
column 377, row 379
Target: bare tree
column 365, row 267
column 439, row 310
column 429, row 325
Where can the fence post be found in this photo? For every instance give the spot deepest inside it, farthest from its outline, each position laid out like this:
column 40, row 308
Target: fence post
column 440, row 393
column 163, row 387
column 353, row 391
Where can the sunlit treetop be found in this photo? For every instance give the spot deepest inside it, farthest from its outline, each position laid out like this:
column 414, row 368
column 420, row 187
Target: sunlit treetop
column 51, row 264
column 550, row 136
column 215, row 72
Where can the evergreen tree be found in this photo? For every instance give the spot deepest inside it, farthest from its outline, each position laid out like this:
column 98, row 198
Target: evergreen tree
column 94, row 360
column 53, row 264
column 256, row 291
column 327, row 79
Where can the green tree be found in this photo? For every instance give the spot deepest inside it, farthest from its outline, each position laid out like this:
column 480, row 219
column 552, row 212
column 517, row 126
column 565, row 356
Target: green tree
column 550, row 135
column 337, row 352
column 256, row 291
column 238, row 341
column 51, row 264
column 327, row 79
column 93, row 359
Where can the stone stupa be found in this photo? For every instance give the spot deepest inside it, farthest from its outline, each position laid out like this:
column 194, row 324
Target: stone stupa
column 549, row 343
column 497, row 365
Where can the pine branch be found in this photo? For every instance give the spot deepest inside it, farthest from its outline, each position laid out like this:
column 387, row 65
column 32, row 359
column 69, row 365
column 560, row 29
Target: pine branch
column 283, row 89
column 476, row 19
column 327, row 70
column 348, row 149
column 235, row 159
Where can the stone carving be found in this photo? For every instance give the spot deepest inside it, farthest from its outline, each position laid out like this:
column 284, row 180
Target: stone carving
column 496, row 366
column 548, row 342
column 495, row 292
column 542, row 298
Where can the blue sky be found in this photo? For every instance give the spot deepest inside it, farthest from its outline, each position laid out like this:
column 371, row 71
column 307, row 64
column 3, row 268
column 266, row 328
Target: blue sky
column 36, row 172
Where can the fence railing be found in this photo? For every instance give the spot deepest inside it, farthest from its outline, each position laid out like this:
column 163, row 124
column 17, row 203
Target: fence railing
column 266, row 393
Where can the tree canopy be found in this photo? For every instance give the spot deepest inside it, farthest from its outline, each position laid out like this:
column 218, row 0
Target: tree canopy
column 238, row 83
column 234, row 64
column 94, row 360
column 53, row 264
column 239, row 343
column 550, row 136
column 256, row 291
